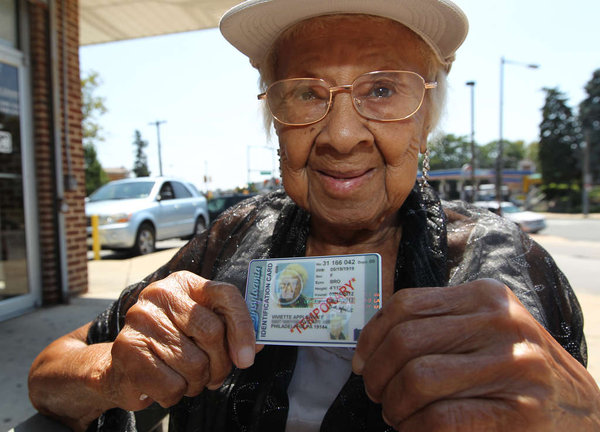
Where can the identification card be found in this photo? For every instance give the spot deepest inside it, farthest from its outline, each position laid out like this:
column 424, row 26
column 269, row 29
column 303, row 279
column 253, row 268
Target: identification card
column 322, row 301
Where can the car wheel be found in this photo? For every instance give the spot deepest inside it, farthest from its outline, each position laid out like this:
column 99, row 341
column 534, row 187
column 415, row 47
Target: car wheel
column 199, row 226
column 145, row 241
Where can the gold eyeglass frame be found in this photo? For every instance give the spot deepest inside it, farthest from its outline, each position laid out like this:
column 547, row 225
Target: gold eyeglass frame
column 347, row 88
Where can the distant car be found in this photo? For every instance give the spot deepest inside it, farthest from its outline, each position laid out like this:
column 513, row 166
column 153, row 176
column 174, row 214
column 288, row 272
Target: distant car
column 528, row 221
column 219, row 204
column 135, row 213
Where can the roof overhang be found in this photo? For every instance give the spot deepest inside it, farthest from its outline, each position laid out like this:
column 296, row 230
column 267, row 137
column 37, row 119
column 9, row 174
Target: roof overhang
column 103, row 21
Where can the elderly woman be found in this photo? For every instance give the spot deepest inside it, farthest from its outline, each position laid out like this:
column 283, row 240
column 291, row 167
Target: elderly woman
column 478, row 331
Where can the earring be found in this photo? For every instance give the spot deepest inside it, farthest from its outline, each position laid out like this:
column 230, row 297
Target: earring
column 425, row 170
column 279, row 160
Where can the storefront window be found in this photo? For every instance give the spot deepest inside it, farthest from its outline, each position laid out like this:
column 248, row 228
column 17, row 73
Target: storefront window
column 8, row 23
column 13, row 256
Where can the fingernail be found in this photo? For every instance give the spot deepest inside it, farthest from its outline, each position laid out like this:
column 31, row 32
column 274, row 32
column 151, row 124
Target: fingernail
column 371, row 397
column 245, row 357
column 215, row 386
column 389, row 423
column 357, row 364
column 143, row 396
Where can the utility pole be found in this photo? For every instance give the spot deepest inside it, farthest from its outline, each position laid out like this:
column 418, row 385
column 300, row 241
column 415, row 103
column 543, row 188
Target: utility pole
column 157, row 123
column 473, row 158
column 499, row 157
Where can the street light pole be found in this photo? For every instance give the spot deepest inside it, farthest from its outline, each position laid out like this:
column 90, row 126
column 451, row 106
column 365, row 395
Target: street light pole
column 473, row 156
column 157, row 123
column 587, row 177
column 499, row 157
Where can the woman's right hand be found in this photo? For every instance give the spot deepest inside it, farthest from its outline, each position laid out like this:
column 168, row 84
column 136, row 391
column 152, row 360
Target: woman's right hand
column 181, row 336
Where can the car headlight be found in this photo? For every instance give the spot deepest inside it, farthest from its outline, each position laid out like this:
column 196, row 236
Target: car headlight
column 114, row 218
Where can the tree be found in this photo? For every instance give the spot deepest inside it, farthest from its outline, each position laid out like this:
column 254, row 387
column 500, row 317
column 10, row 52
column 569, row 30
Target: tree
column 589, row 118
column 140, row 165
column 94, row 174
column 92, row 107
column 514, row 152
column 487, row 155
column 559, row 146
column 452, row 152
column 449, row 152
column 532, row 152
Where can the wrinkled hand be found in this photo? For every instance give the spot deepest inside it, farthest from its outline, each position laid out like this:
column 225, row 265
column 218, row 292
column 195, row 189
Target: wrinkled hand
column 181, row 336
column 471, row 358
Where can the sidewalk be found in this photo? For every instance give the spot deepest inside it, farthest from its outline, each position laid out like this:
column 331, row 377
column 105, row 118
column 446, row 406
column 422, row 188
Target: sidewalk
column 24, row 337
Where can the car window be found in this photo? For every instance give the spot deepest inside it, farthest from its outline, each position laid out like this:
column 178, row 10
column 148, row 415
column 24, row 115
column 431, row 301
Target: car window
column 216, row 204
column 127, row 190
column 510, row 209
column 194, row 189
column 180, row 190
column 166, row 192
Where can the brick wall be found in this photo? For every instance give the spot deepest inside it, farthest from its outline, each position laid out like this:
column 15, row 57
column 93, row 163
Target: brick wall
column 76, row 249
column 75, row 218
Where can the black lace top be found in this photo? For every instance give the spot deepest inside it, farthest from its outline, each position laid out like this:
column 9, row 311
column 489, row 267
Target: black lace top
column 443, row 243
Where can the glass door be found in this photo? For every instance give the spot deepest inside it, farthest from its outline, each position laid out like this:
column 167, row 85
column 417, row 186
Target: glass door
column 20, row 284
column 13, row 250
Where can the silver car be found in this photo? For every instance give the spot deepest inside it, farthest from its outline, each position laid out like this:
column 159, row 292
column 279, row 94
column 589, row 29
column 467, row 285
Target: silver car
column 528, row 221
column 135, row 213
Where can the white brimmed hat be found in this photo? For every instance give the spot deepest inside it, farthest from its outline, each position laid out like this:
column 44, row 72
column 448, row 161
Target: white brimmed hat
column 254, row 25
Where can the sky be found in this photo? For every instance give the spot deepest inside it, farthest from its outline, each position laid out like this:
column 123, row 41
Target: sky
column 205, row 90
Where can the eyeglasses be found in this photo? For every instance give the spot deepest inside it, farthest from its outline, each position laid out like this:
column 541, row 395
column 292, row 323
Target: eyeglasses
column 380, row 95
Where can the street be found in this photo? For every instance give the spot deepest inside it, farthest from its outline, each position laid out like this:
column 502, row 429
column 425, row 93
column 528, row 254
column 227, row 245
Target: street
column 573, row 228
column 575, row 246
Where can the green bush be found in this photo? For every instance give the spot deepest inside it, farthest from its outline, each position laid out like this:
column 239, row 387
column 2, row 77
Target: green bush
column 563, row 197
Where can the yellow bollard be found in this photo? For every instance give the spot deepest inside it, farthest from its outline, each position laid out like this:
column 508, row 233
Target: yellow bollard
column 95, row 237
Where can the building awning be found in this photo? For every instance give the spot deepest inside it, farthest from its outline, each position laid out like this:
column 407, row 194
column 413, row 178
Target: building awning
column 113, row 20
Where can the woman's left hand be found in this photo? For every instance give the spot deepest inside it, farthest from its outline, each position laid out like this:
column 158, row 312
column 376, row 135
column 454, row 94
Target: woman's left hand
column 471, row 358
